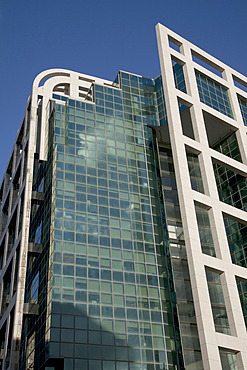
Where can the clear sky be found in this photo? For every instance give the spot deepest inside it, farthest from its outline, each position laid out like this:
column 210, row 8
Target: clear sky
column 99, row 38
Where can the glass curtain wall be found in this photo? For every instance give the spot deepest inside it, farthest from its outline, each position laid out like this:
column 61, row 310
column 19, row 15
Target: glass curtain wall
column 184, row 299
column 213, row 94
column 111, row 303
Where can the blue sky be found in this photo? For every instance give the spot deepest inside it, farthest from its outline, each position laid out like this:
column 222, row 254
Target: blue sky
column 99, row 38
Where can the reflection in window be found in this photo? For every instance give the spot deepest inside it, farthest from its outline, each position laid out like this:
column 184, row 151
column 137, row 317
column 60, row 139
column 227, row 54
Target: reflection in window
column 229, row 146
column 35, row 288
column 186, row 121
column 237, row 239
column 38, row 233
column 242, row 291
column 179, row 76
column 108, row 226
column 243, row 107
column 217, row 302
column 184, row 299
column 205, row 233
column 195, row 172
column 232, row 187
column 228, row 359
column 213, row 94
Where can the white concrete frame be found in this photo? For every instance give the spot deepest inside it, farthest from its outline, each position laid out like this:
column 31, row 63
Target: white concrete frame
column 210, row 340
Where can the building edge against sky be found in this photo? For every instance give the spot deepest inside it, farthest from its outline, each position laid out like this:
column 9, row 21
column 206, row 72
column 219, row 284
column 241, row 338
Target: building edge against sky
column 123, row 220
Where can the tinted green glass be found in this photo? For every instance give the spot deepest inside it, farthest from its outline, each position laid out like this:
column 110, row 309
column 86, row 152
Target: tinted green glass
column 243, row 107
column 213, row 94
column 110, row 271
column 217, row 302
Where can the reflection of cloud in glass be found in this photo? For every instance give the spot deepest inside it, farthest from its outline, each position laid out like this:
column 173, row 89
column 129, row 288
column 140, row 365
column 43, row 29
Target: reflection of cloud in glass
column 81, row 136
column 67, row 215
column 82, row 152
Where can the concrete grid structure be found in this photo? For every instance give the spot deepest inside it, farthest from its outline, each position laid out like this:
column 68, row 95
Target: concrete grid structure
column 123, row 220
column 198, row 262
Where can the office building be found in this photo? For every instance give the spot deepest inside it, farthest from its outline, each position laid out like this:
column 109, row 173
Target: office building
column 123, row 220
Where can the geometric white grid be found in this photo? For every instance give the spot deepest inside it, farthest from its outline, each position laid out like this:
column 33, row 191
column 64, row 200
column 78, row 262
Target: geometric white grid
column 210, row 340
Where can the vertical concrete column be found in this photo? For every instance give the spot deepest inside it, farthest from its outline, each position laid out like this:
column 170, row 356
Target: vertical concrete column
column 208, row 341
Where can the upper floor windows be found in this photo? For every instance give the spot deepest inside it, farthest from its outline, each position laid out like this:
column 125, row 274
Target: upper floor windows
column 213, row 94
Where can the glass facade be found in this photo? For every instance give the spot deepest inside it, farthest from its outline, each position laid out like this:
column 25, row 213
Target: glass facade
column 228, row 360
column 243, row 108
column 106, row 264
column 231, row 186
column 204, row 228
column 179, row 77
column 217, row 302
column 182, row 284
column 186, row 122
column 160, row 101
column 229, row 146
column 213, row 94
column 195, row 172
column 237, row 239
column 242, row 290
